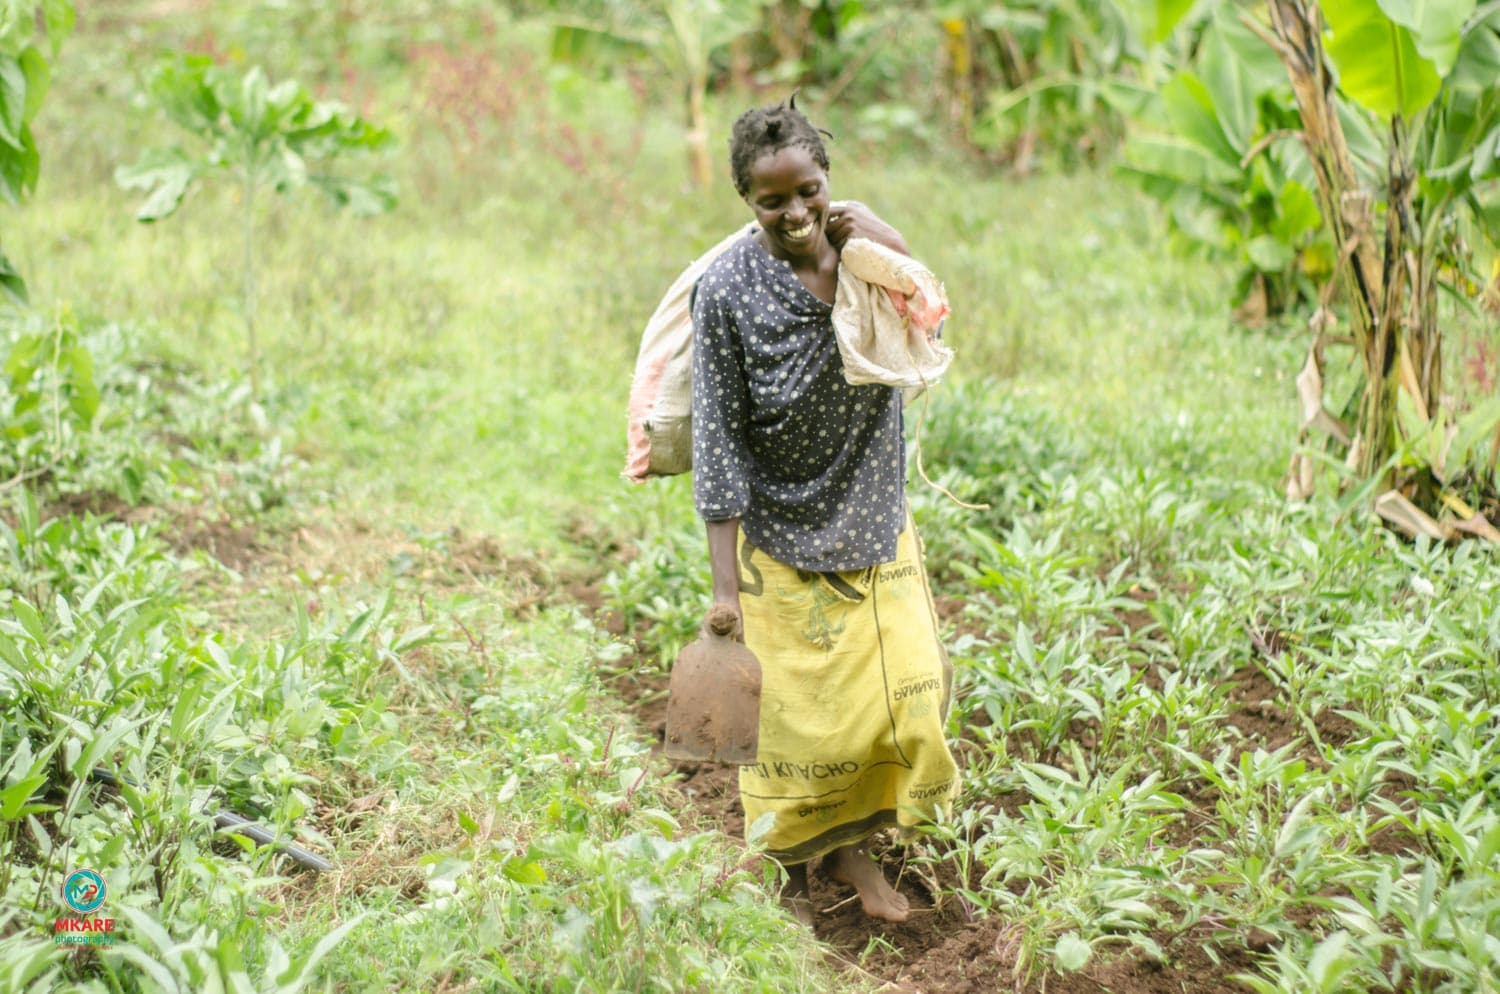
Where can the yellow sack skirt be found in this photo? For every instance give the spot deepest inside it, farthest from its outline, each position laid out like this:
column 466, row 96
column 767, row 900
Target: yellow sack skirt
column 853, row 702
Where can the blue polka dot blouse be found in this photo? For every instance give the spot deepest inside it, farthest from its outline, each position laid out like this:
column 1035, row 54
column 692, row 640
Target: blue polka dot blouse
column 813, row 467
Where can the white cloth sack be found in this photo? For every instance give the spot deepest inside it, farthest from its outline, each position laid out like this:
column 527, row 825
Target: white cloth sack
column 886, row 315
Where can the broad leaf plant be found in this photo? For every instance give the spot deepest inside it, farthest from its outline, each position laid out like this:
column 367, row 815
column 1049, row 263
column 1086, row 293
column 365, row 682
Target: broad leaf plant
column 263, row 136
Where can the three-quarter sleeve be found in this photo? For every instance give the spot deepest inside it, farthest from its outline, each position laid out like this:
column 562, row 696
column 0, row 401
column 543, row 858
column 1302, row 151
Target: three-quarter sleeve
column 721, row 406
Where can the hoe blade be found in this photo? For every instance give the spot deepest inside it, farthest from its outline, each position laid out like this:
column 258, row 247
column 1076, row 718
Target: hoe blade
column 713, row 701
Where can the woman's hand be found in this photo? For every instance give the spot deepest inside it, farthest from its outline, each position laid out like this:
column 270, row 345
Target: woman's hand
column 718, row 620
column 851, row 219
column 723, row 561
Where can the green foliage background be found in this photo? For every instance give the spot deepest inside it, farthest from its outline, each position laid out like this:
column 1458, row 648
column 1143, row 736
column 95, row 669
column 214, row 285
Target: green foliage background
column 346, row 603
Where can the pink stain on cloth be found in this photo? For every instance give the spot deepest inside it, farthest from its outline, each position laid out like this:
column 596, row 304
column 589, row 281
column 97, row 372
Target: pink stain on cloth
column 887, row 313
column 925, row 307
column 643, row 392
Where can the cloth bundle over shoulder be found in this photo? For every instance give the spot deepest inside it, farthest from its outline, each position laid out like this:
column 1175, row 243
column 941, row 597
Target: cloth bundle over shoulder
column 887, row 312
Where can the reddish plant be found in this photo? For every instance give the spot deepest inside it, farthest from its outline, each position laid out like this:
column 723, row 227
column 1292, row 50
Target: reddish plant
column 473, row 94
column 1481, row 367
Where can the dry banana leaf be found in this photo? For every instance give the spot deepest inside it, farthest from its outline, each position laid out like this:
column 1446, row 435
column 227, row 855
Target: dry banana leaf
column 1408, row 518
column 1310, row 394
column 1470, row 521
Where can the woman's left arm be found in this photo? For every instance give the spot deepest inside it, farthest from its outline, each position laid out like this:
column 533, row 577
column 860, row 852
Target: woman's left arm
column 851, row 219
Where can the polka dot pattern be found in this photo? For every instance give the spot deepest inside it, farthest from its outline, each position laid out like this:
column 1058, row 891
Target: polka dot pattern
column 813, row 467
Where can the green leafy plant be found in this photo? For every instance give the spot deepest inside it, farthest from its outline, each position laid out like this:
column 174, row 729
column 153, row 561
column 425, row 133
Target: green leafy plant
column 84, row 422
column 1396, row 125
column 25, row 74
column 264, row 136
column 1050, row 75
column 1081, row 858
column 47, row 396
column 682, row 36
column 665, row 586
column 1422, row 78
column 1211, row 145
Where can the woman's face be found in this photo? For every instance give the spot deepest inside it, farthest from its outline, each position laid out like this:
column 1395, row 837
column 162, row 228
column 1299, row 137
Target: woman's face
column 789, row 195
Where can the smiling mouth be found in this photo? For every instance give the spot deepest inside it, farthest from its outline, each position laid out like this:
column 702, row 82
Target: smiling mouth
column 797, row 234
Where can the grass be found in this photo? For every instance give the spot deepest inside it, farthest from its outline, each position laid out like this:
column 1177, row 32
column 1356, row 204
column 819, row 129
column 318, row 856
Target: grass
column 342, row 606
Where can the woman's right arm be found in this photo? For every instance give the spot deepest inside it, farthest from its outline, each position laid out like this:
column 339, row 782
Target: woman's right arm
column 721, row 412
column 723, row 562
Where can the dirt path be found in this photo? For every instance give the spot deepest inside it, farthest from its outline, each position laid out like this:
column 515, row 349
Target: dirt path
column 940, row 949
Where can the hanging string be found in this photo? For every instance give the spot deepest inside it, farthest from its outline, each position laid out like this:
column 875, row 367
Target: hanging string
column 917, row 432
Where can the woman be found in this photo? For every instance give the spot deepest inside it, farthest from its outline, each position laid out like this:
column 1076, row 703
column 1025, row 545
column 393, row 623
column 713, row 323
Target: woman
column 800, row 478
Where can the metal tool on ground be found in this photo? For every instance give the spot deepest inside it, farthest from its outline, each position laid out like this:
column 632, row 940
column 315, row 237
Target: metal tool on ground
column 235, row 824
column 713, row 699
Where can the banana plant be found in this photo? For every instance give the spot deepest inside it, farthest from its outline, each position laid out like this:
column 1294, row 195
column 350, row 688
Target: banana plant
column 1349, row 144
column 264, row 136
column 1212, row 147
column 681, row 36
column 1421, row 77
column 25, row 74
column 1049, row 72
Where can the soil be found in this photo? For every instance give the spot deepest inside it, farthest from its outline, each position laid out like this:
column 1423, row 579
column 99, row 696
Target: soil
column 1260, row 720
column 236, row 546
column 185, row 528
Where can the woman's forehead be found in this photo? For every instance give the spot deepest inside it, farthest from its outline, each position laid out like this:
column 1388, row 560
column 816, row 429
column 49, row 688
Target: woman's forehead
column 791, row 165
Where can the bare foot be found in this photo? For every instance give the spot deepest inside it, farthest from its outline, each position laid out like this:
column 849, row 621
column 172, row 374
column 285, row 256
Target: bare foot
column 854, row 866
column 795, row 896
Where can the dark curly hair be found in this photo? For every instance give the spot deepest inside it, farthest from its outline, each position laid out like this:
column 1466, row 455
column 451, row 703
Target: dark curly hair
column 767, row 130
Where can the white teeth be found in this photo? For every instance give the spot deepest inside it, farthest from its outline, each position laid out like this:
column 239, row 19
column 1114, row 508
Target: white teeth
column 801, row 232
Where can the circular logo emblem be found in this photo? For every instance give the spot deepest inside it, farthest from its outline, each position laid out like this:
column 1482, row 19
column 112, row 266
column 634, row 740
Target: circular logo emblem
column 84, row 891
